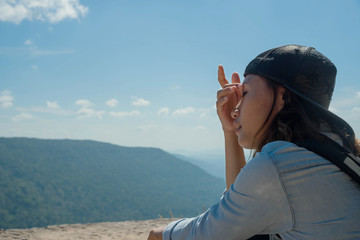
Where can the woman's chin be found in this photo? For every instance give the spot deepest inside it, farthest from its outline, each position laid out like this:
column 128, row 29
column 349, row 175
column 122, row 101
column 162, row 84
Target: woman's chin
column 244, row 144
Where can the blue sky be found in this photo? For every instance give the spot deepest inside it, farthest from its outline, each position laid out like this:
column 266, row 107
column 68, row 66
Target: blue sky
column 144, row 73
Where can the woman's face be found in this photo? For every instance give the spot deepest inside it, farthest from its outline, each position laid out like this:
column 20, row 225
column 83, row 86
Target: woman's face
column 253, row 109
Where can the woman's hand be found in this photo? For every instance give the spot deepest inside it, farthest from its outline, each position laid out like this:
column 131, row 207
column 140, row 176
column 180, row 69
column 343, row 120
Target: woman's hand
column 156, row 234
column 227, row 98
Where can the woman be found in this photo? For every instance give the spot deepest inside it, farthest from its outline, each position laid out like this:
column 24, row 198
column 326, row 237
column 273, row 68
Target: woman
column 285, row 191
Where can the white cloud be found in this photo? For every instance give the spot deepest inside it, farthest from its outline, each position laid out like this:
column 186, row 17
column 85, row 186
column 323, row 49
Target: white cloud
column 37, row 52
column 29, row 42
column 200, row 128
column 124, row 114
column 146, row 127
column 52, row 105
column 34, row 50
column 6, row 99
column 183, row 111
column 89, row 112
column 112, row 102
column 346, row 104
column 174, row 87
column 22, row 117
column 140, row 102
column 34, row 67
column 86, row 111
column 84, row 103
column 163, row 111
column 53, row 11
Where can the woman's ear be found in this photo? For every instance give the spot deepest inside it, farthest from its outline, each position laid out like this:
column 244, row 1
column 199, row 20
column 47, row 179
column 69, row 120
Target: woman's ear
column 281, row 98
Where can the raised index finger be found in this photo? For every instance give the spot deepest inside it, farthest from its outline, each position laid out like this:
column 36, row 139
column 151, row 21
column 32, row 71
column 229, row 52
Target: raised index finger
column 221, row 76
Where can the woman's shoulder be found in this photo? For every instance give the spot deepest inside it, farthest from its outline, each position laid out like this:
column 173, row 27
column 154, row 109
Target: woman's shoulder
column 287, row 156
column 280, row 147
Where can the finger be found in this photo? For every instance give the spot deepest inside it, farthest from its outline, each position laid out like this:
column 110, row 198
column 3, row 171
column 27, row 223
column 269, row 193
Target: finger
column 221, row 102
column 234, row 85
column 231, row 88
column 239, row 90
column 235, row 78
column 226, row 91
column 221, row 76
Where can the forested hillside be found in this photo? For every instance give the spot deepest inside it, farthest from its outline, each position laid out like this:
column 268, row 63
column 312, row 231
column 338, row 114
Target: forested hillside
column 45, row 182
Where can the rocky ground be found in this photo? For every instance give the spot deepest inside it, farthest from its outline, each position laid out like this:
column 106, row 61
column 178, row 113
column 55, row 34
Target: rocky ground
column 127, row 230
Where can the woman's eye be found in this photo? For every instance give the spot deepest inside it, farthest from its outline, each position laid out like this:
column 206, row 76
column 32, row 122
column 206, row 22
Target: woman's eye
column 244, row 93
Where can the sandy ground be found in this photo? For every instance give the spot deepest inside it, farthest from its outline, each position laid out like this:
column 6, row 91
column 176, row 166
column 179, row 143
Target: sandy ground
column 127, row 230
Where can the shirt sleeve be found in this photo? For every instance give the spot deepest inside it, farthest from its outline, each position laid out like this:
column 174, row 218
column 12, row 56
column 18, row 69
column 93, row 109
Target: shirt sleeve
column 255, row 204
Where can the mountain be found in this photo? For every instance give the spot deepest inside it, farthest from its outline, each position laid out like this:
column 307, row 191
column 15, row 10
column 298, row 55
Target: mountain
column 47, row 182
column 215, row 165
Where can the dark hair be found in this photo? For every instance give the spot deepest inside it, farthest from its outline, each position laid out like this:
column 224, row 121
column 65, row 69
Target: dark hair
column 298, row 121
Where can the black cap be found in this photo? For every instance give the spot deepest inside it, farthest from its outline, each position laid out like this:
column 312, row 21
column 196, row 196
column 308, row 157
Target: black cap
column 305, row 72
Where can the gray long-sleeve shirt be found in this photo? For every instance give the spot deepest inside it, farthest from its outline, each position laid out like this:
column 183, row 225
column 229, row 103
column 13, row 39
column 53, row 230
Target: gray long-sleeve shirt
column 285, row 190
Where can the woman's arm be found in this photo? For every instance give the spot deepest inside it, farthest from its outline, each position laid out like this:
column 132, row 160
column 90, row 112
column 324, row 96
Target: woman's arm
column 227, row 98
column 255, row 204
column 234, row 158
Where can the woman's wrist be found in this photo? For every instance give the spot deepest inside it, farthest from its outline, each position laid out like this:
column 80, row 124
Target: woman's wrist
column 229, row 132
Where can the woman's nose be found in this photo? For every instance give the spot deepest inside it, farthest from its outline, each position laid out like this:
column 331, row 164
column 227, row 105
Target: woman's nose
column 235, row 113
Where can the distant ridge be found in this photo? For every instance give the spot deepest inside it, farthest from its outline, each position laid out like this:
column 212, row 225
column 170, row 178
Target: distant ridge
column 47, row 182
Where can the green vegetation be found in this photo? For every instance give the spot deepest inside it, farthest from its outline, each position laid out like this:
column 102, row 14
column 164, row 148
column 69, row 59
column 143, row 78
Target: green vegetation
column 45, row 182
